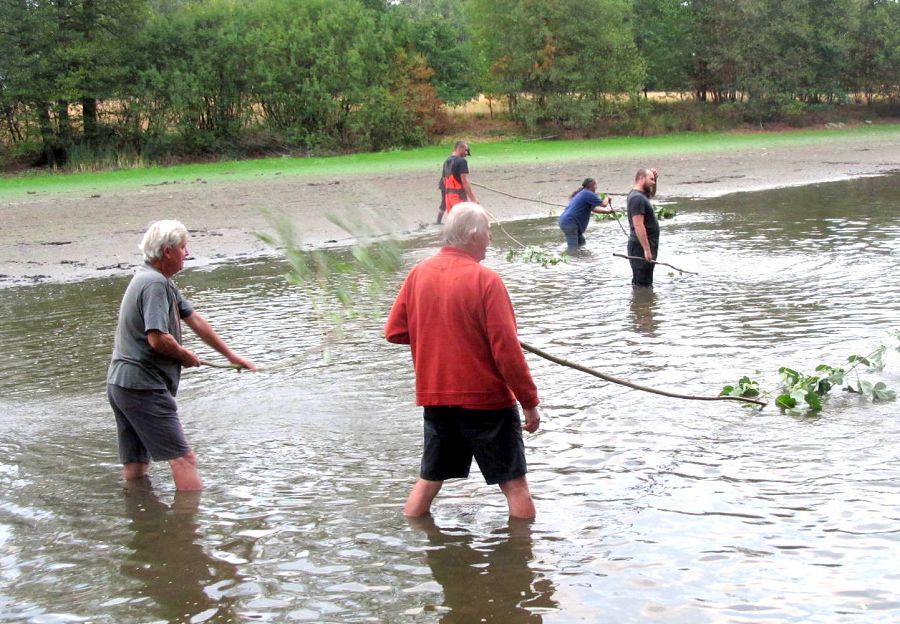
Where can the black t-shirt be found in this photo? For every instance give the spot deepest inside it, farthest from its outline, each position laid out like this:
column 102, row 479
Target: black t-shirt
column 455, row 166
column 639, row 204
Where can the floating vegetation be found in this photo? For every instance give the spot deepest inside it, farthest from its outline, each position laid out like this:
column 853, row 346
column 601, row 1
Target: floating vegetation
column 531, row 253
column 745, row 387
column 806, row 392
column 666, row 212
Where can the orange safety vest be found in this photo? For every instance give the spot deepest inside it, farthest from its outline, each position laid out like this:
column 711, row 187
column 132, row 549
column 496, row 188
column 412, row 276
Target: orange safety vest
column 452, row 187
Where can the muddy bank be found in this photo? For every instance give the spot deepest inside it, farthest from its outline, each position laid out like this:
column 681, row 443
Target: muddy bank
column 73, row 236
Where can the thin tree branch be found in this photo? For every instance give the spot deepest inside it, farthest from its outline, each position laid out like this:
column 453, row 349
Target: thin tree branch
column 625, row 382
column 655, row 262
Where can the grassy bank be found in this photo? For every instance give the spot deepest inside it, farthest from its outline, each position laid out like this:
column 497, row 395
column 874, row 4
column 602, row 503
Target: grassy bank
column 485, row 155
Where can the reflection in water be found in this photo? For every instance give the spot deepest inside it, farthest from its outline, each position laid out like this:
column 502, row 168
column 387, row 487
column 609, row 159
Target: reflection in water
column 487, row 581
column 169, row 560
column 642, row 311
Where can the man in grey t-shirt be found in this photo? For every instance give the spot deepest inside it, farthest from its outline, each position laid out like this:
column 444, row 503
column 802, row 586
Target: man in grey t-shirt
column 147, row 358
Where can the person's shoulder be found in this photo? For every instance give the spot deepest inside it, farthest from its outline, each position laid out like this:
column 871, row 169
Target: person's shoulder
column 145, row 275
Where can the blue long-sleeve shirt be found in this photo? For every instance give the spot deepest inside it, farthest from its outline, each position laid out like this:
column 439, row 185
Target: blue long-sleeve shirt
column 579, row 209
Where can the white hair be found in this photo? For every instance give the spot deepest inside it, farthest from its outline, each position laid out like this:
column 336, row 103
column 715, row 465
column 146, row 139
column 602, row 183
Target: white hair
column 463, row 222
column 162, row 234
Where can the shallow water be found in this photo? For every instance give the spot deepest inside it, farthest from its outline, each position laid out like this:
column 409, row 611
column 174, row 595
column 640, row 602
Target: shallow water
column 649, row 508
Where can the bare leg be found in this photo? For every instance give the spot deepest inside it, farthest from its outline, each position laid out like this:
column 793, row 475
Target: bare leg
column 518, row 497
column 418, row 503
column 133, row 471
column 184, row 471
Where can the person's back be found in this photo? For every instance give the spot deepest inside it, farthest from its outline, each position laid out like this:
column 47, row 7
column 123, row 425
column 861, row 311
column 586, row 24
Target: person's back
column 470, row 370
column 579, row 209
column 135, row 364
column 457, row 357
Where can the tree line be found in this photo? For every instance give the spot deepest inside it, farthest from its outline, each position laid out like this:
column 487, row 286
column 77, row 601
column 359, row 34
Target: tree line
column 108, row 81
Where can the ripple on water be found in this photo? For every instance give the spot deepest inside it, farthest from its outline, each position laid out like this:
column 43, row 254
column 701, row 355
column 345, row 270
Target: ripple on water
column 650, row 509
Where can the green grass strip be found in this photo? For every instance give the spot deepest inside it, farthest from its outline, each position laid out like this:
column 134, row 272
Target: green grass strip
column 485, row 155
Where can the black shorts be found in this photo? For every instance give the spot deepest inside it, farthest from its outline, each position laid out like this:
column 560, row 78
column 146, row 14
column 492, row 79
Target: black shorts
column 148, row 425
column 453, row 435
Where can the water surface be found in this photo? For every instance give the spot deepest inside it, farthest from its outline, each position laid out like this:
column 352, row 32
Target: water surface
column 649, row 508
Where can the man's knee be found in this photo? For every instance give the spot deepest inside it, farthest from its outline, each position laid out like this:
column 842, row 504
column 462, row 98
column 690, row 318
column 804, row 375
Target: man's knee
column 185, row 462
column 514, row 487
column 184, row 471
column 134, row 470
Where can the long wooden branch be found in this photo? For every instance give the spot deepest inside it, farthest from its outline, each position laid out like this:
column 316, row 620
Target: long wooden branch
column 655, row 262
column 236, row 367
column 625, row 382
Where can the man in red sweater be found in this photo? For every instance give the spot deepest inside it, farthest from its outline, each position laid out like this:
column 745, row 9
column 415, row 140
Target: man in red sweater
column 457, row 317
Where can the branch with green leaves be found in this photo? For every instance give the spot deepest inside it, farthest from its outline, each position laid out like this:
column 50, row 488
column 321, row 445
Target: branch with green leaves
column 802, row 392
column 632, row 385
column 339, row 285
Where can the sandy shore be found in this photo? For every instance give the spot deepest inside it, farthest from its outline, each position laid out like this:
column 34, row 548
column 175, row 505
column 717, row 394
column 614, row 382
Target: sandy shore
column 65, row 237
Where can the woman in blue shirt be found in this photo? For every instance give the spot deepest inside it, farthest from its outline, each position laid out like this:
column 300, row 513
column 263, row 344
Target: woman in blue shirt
column 575, row 218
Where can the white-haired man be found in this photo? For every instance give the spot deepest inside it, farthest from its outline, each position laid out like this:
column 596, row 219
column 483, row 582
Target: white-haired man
column 457, row 317
column 147, row 358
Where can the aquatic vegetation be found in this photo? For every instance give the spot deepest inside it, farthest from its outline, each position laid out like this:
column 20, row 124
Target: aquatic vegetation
column 802, row 392
column 665, row 212
column 531, row 253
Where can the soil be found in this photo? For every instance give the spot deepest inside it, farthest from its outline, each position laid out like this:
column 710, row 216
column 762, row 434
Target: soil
column 57, row 237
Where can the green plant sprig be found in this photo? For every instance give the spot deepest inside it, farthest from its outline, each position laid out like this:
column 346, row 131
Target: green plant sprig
column 666, row 212
column 537, row 255
column 801, row 391
column 338, row 286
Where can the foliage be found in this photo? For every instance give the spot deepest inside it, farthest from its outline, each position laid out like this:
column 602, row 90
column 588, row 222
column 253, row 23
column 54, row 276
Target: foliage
column 338, row 285
column 745, row 387
column 555, row 61
column 807, row 392
column 666, row 212
column 164, row 79
column 531, row 253
column 437, row 30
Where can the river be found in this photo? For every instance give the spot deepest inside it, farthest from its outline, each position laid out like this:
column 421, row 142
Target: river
column 650, row 509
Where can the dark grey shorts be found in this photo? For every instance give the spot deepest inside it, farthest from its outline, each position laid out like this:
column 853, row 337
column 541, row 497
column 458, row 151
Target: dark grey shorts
column 453, row 435
column 148, row 425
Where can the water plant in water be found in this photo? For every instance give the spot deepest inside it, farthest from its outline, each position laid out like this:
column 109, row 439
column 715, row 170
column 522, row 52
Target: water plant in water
column 535, row 254
column 806, row 392
column 666, row 212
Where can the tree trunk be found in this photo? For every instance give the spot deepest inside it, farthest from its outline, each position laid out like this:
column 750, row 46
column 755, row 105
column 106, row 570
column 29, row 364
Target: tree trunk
column 52, row 152
column 89, row 117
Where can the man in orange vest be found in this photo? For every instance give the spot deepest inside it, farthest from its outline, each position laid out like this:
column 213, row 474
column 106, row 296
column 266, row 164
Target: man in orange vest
column 455, row 186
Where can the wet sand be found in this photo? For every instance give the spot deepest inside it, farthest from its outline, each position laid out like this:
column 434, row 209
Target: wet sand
column 58, row 237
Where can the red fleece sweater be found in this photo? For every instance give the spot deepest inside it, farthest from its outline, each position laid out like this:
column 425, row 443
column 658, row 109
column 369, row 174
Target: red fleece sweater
column 458, row 320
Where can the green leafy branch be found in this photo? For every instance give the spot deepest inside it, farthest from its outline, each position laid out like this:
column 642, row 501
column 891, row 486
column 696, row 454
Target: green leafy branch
column 802, row 391
column 666, row 212
column 531, row 253
column 338, row 285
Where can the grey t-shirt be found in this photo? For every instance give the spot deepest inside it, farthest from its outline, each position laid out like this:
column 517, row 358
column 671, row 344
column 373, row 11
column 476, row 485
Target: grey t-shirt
column 151, row 301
